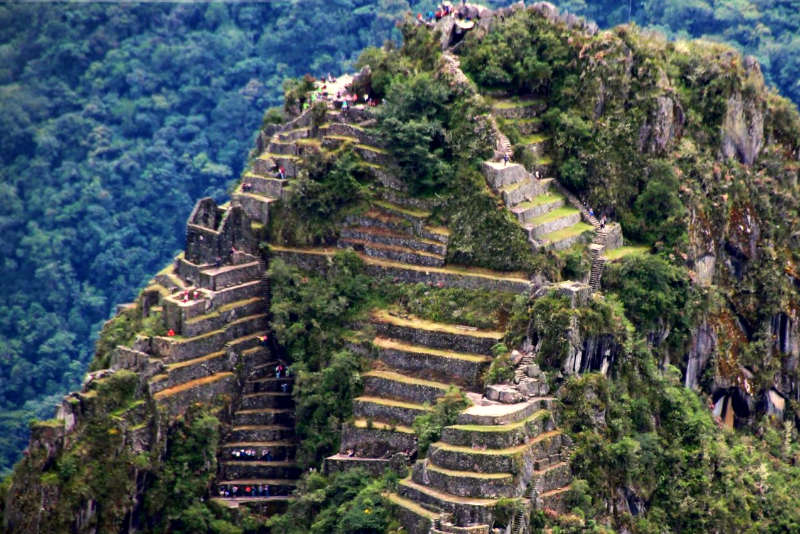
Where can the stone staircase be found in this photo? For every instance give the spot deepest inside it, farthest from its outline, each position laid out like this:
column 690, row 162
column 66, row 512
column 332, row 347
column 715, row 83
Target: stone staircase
column 214, row 303
column 257, row 467
column 554, row 218
column 396, row 233
column 415, row 362
column 286, row 148
column 540, row 209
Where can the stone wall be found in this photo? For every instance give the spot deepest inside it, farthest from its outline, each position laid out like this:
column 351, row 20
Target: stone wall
column 316, row 262
column 375, row 442
column 436, row 339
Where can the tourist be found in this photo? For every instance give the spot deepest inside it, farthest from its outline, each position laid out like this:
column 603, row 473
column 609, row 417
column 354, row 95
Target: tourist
column 170, row 332
column 218, row 262
column 505, row 159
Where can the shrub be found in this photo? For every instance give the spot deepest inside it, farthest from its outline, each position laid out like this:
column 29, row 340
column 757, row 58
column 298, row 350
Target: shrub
column 501, row 369
column 428, row 427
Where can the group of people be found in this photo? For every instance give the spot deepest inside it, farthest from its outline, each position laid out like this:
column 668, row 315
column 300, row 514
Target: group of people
column 601, row 220
column 193, row 294
column 442, row 11
column 252, row 454
column 256, row 490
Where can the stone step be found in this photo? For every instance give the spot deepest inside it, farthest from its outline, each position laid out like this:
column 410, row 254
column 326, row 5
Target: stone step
column 200, row 390
column 373, row 154
column 267, row 400
column 528, row 126
column 261, row 433
column 464, row 483
column 566, row 237
column 374, row 439
column 552, row 477
column 178, row 349
column 415, row 518
column 218, row 317
column 472, row 529
column 499, row 174
column 187, row 370
column 260, row 506
column 269, row 384
column 383, row 218
column 522, row 109
column 504, row 414
column 392, row 252
column 391, row 385
column 505, row 460
column 246, row 342
column 293, row 135
column 264, row 416
column 416, row 217
column 498, row 436
column 264, row 370
column 279, row 450
column 537, row 206
column 458, row 367
column 266, row 185
column 435, row 335
column 555, row 499
column 351, row 130
column 247, row 290
column 390, row 237
column 232, row 469
column 334, row 141
column 255, row 205
column 276, row 146
column 517, row 193
column 387, row 410
column 277, row 486
column 552, row 221
column 377, row 218
column 267, row 164
column 466, row 278
column 342, row 462
column 464, row 510
column 216, row 278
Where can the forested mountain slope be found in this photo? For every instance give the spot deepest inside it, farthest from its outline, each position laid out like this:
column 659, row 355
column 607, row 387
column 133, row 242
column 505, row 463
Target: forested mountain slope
column 114, row 118
column 654, row 383
column 767, row 29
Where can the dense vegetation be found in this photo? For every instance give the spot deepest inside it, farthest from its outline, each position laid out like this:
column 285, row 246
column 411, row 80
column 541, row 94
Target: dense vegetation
column 766, row 29
column 343, row 503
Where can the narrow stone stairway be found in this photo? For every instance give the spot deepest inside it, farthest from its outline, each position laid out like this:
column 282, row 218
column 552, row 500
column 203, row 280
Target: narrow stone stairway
column 257, row 467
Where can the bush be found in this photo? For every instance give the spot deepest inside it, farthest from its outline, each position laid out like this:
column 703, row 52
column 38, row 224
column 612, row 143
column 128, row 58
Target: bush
column 343, row 503
column 501, row 369
column 310, row 317
column 428, row 427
